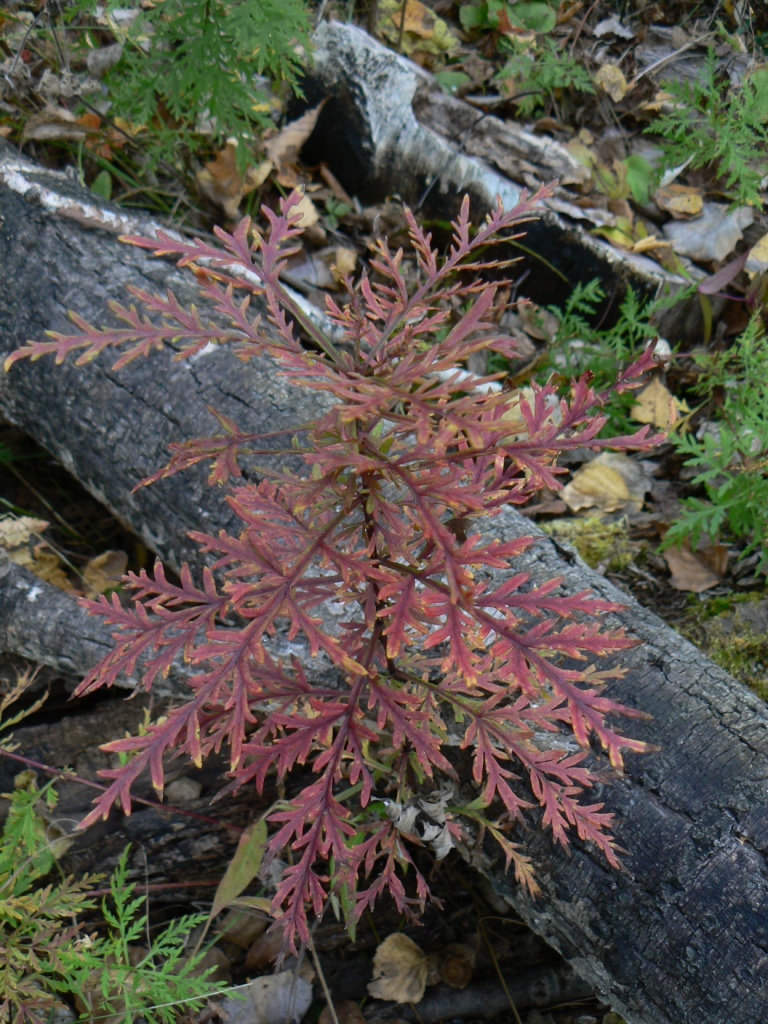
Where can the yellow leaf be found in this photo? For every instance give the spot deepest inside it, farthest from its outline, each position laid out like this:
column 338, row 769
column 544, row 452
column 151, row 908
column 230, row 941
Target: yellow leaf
column 344, row 262
column 610, row 482
column 681, row 201
column 611, row 80
column 757, row 261
column 655, row 405
column 16, row 531
column 308, row 211
column 256, row 176
column 104, row 572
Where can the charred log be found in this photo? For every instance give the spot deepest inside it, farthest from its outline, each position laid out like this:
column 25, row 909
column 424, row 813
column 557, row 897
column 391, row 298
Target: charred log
column 680, row 935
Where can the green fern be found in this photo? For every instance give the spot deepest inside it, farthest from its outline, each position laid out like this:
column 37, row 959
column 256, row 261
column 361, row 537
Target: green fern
column 193, row 65
column 45, row 952
column 162, row 980
column 733, row 456
column 543, row 74
column 724, row 130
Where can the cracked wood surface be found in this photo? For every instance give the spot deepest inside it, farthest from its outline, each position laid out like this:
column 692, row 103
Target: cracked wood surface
column 681, row 935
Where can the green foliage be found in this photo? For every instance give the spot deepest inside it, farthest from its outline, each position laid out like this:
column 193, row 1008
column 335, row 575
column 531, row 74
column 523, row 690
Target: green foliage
column 733, row 455
column 193, row 64
column 542, row 73
column 725, row 130
column 499, row 15
column 44, row 951
column 39, row 944
column 150, row 987
column 578, row 347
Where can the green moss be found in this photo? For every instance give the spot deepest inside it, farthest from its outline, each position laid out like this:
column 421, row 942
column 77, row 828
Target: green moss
column 735, row 637
column 602, row 545
column 745, row 657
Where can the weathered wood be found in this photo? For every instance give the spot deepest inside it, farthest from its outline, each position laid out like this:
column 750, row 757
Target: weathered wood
column 678, row 937
column 388, row 128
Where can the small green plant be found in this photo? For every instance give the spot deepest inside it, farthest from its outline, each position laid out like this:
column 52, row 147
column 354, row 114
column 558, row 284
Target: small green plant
column 151, row 987
column 543, row 73
column 40, row 946
column 198, row 66
column 732, row 453
column 578, row 347
column 500, row 16
column 725, row 130
column 45, row 952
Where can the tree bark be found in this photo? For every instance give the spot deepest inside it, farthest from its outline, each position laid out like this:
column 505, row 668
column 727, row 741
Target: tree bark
column 680, row 935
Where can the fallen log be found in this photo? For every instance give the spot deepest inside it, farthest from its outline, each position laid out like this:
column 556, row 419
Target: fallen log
column 680, row 935
column 388, row 128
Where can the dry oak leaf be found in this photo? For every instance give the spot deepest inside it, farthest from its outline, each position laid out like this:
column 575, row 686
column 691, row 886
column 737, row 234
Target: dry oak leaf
column 399, row 970
column 283, row 149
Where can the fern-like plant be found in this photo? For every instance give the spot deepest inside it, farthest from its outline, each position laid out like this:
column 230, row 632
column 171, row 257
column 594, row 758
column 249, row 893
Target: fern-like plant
column 192, row 65
column 727, row 130
column 409, row 458
column 731, row 454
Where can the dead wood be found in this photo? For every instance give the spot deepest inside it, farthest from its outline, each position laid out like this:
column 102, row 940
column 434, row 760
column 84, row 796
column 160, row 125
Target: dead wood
column 484, row 1000
column 679, row 936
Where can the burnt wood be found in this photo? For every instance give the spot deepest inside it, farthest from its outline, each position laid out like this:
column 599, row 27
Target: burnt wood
column 680, row 936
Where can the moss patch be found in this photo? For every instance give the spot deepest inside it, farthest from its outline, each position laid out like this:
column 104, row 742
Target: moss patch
column 603, row 546
column 736, row 639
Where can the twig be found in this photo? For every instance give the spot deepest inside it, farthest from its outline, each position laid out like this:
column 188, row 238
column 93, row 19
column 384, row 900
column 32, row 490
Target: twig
column 501, row 977
column 323, row 982
column 69, row 776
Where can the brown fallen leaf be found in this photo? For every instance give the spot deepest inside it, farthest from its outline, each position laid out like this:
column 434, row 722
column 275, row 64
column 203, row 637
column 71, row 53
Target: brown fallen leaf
column 610, row 482
column 457, row 965
column 243, row 926
column 538, row 323
column 689, row 572
column 283, row 148
column 104, row 572
column 221, row 181
column 681, row 201
column 399, row 970
column 655, row 405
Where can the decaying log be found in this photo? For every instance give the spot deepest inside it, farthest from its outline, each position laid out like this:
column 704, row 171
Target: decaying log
column 388, row 128
column 45, row 625
column 678, row 937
